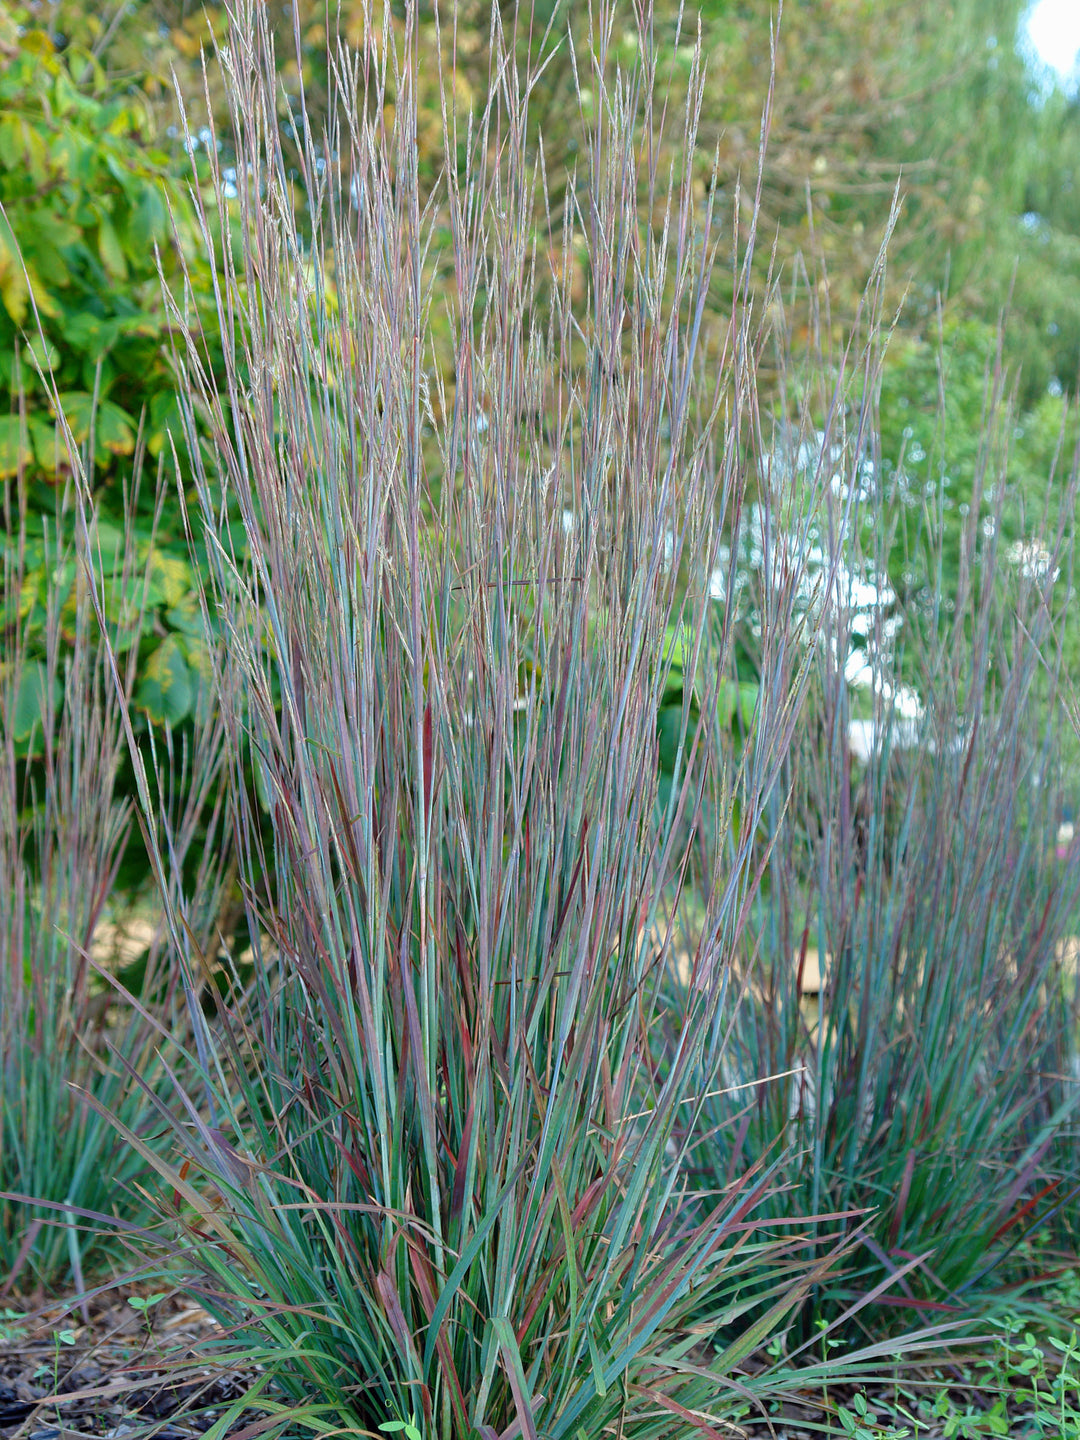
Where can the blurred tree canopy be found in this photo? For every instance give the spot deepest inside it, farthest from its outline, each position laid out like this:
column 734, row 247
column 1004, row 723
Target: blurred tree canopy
column 933, row 95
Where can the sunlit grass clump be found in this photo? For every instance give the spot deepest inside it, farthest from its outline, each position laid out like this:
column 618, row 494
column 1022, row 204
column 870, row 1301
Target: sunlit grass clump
column 431, row 1166
column 526, row 739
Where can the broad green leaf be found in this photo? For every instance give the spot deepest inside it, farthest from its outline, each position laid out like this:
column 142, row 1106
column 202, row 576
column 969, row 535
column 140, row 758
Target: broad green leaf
column 186, row 617
column 669, row 727
column 15, row 447
column 736, row 699
column 111, row 251
column 122, row 118
column 127, row 609
column 678, row 644
column 14, row 284
column 200, row 663
column 12, row 148
column 77, row 407
column 55, row 226
column 108, row 541
column 20, row 362
column 114, row 430
column 69, row 152
column 32, row 696
column 37, row 156
column 42, row 352
column 66, row 97
column 129, row 326
column 19, row 280
column 97, row 375
column 91, row 334
column 165, row 419
column 50, row 447
column 23, row 149
column 166, row 691
column 47, row 260
column 148, row 220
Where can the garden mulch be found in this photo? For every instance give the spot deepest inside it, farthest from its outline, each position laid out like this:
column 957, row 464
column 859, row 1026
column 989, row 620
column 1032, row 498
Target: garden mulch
column 123, row 1371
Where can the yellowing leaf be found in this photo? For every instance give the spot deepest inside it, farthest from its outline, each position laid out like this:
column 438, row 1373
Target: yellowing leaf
column 14, row 285
column 188, row 45
column 166, row 691
column 77, row 408
column 37, row 43
column 15, row 448
column 19, row 280
column 170, row 576
column 110, row 250
column 114, row 430
column 50, row 447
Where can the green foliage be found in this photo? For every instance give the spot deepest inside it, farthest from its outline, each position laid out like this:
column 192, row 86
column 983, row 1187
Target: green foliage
column 679, row 715
column 859, row 1424
column 458, row 826
column 91, row 208
column 1045, row 239
column 1024, row 1384
column 1024, row 1387
column 977, row 154
column 960, row 464
column 87, row 201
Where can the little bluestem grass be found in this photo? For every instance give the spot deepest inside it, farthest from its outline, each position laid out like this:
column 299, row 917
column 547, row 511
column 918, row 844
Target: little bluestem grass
column 431, row 1169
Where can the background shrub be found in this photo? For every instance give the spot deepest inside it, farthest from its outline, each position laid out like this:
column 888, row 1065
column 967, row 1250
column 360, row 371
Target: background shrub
column 94, row 215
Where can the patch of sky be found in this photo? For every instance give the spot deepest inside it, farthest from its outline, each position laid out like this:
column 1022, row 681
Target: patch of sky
column 1050, row 43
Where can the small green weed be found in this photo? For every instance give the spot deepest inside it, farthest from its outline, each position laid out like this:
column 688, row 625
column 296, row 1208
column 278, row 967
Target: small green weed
column 12, row 1328
column 406, row 1427
column 144, row 1304
column 1019, row 1368
column 861, row 1425
column 60, row 1337
column 1032, row 1392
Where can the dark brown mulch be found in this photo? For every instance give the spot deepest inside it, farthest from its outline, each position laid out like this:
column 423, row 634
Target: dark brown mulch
column 124, row 1372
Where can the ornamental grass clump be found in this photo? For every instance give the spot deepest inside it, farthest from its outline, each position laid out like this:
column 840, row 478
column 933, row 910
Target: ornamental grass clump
column 934, row 1074
column 430, row 1173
